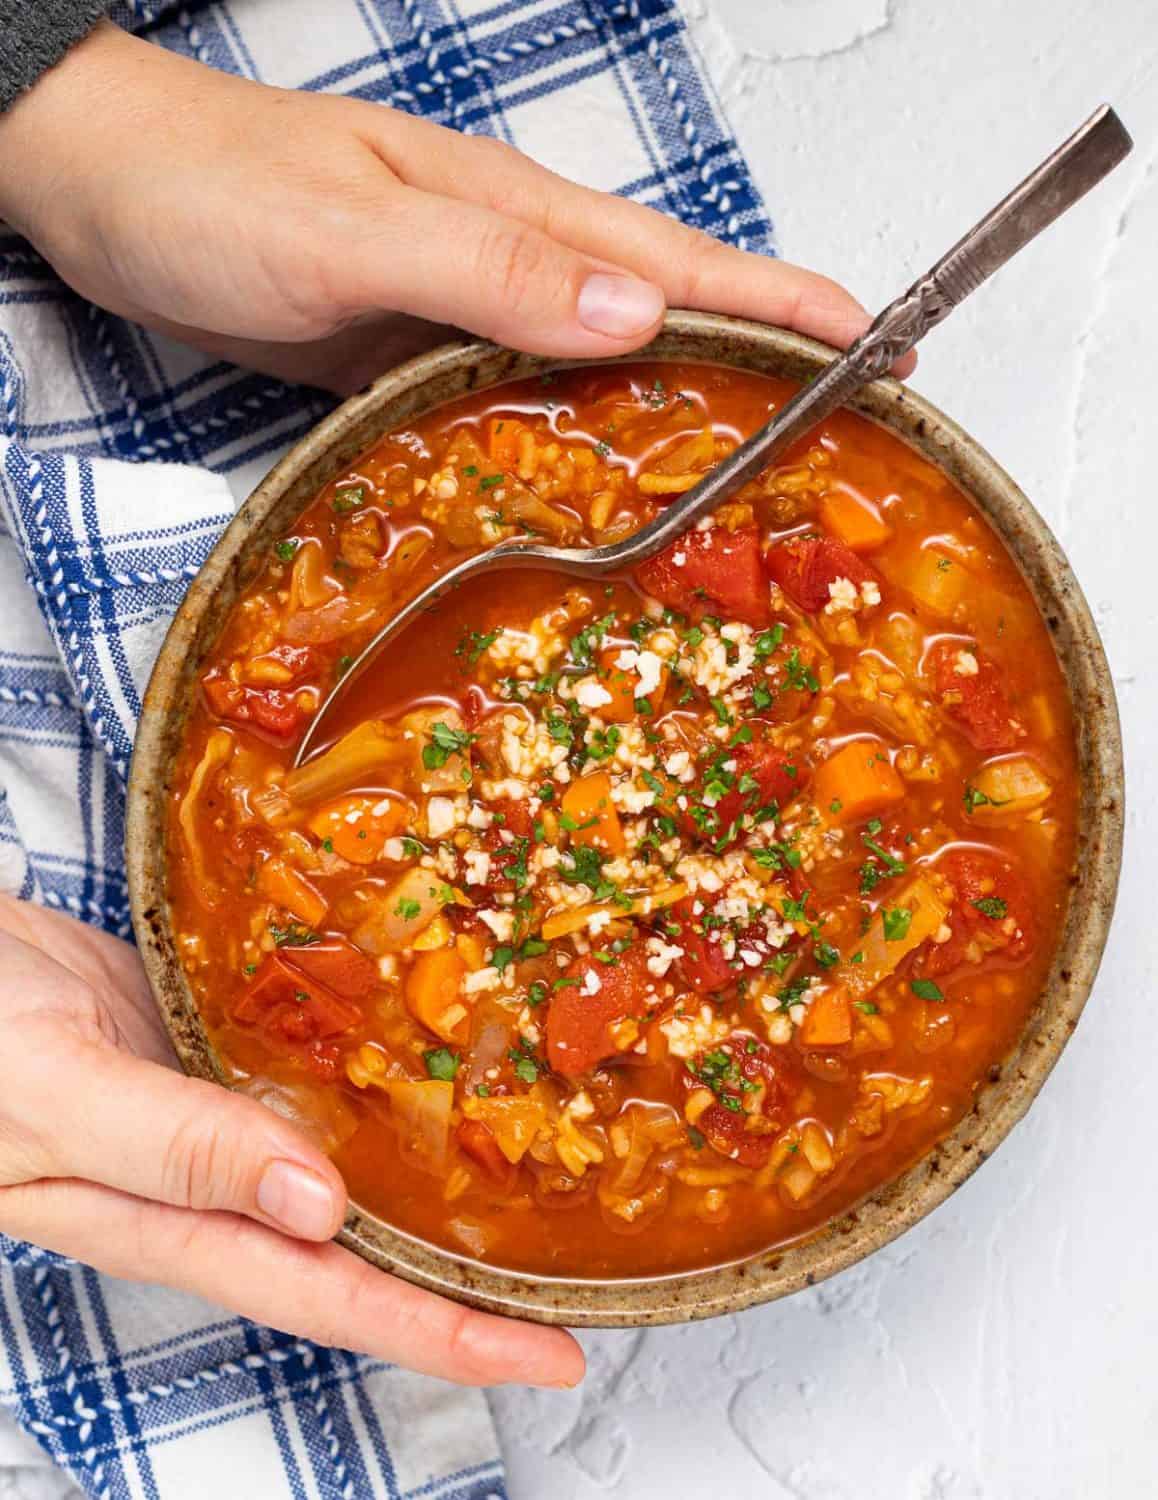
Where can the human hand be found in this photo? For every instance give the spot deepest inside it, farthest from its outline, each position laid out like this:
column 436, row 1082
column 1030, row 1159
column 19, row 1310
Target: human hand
column 322, row 238
column 108, row 1155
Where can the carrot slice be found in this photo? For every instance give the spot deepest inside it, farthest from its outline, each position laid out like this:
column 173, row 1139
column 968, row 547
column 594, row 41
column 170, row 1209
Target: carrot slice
column 623, row 685
column 856, row 781
column 279, row 882
column 503, row 435
column 590, row 815
column 855, row 520
column 357, row 826
column 827, row 1020
column 434, row 994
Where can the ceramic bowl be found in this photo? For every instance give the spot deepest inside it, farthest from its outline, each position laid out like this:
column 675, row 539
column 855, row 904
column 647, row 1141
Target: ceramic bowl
column 450, row 371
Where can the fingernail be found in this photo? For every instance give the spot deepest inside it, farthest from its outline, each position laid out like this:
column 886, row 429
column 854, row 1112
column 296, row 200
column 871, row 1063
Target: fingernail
column 297, row 1200
column 621, row 307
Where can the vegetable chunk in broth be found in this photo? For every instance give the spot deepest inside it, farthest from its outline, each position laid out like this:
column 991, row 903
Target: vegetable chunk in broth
column 631, row 927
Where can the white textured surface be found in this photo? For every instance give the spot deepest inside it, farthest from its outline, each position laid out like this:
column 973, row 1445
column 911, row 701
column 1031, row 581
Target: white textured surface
column 1003, row 1350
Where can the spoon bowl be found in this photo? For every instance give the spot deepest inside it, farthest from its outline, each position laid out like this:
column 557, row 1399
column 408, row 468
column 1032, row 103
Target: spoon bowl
column 1077, row 165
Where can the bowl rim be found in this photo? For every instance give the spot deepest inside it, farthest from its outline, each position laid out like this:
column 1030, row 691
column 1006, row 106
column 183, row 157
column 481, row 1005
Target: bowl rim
column 456, row 368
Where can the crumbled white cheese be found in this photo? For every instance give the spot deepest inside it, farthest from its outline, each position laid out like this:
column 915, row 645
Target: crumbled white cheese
column 579, row 1106
column 592, row 983
column 710, row 666
column 966, row 664
column 687, row 1035
column 842, row 595
column 591, row 694
column 870, row 593
column 631, row 798
column 479, row 816
column 646, row 665
column 481, row 979
column 661, row 956
column 394, row 849
column 679, row 764
column 501, row 923
column 477, row 863
column 439, row 817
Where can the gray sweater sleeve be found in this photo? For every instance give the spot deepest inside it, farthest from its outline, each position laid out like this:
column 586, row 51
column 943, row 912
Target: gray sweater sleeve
column 35, row 34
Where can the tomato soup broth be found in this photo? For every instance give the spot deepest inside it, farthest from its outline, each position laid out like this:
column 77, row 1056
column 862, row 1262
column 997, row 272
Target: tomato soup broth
column 626, row 928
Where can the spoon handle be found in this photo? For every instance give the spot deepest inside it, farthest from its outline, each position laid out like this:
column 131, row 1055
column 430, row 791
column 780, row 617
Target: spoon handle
column 1074, row 168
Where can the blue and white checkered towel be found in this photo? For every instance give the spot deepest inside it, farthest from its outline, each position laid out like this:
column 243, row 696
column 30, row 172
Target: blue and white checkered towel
column 121, row 456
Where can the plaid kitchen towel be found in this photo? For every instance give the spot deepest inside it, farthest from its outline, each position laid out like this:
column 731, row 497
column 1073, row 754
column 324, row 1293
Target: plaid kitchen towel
column 121, row 456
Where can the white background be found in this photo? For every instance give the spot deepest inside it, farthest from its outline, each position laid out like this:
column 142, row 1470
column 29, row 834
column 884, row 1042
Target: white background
column 1006, row 1349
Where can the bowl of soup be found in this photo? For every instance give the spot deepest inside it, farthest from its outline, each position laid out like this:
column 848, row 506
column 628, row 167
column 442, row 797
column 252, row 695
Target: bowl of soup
column 639, row 948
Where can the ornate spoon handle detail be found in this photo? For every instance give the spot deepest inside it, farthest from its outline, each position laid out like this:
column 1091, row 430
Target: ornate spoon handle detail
column 1076, row 166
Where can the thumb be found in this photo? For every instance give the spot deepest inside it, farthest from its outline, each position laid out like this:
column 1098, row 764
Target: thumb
column 137, row 1126
column 457, row 262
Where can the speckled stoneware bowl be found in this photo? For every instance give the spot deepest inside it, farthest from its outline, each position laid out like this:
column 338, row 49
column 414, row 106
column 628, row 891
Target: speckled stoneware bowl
column 425, row 382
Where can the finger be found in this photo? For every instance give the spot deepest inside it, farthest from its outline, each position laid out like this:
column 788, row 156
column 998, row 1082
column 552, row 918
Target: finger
column 460, row 263
column 130, row 1124
column 320, row 1292
column 693, row 269
column 345, row 362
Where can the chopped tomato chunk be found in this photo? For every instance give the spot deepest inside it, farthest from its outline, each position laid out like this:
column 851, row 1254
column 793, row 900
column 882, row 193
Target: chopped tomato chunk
column 992, row 912
column 291, row 1008
column 336, row 964
column 703, row 966
column 804, row 566
column 970, row 690
column 711, row 572
column 592, row 996
column 271, row 712
column 763, row 775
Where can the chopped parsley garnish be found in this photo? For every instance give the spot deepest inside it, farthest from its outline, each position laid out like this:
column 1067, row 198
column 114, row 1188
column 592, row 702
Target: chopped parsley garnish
column 488, row 481
column 925, row 989
column 537, row 993
column 407, row 908
column 350, row 499
column 585, row 867
column 799, row 676
column 444, row 742
column 896, row 920
column 873, row 871
column 286, row 550
column 441, row 1063
column 585, row 643
column 767, row 641
column 474, row 643
column 604, row 743
column 866, row 1007
column 991, row 906
column 411, row 848
column 826, row 955
column 527, row 1065
column 975, row 797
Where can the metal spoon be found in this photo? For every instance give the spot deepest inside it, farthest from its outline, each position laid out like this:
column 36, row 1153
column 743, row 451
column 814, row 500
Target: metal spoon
column 1074, row 168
